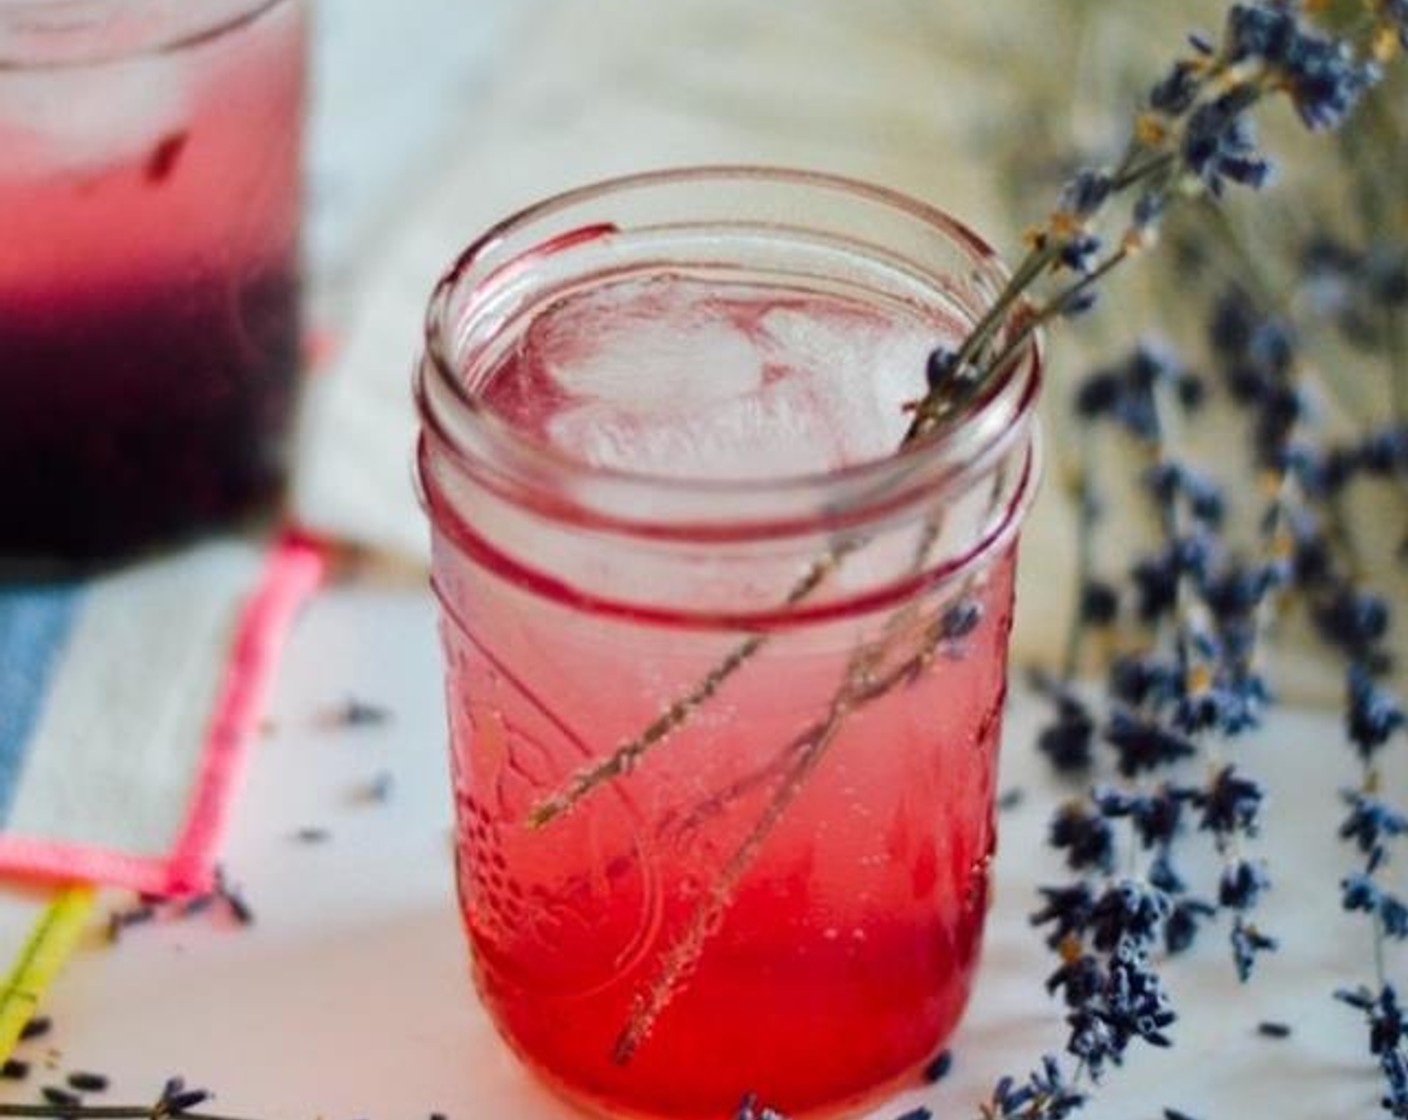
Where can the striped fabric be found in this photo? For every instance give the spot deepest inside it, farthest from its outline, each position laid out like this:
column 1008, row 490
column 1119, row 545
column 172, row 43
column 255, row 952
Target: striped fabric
column 39, row 928
column 126, row 703
column 124, row 706
column 35, row 624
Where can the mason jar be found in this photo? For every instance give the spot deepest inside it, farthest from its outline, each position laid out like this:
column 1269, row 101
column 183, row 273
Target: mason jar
column 725, row 655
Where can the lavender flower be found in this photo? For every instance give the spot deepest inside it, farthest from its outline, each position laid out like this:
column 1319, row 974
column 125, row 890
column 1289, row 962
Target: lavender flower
column 1371, row 823
column 1067, row 741
column 1241, row 885
column 1145, row 679
column 1124, row 392
column 1129, row 913
column 1099, row 603
column 1067, row 909
column 1204, row 605
column 1231, row 804
column 1361, row 891
column 1220, row 144
column 1247, row 943
column 1372, row 714
column 1144, row 745
column 1046, row 1093
column 1355, row 621
column 1184, row 922
column 1085, row 836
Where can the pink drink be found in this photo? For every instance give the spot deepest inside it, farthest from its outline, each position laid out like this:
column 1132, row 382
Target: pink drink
column 149, row 282
column 784, row 893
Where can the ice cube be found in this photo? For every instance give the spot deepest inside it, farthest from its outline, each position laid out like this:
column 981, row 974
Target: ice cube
column 659, row 343
column 781, row 429
column 863, row 365
column 694, row 378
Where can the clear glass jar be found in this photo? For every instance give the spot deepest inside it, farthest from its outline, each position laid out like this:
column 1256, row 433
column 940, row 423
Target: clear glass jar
column 150, row 197
column 724, row 672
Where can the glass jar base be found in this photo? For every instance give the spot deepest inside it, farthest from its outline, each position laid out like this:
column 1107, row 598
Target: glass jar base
column 725, row 650
column 849, row 1108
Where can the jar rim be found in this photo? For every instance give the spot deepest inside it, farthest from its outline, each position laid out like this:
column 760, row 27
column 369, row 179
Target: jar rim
column 757, row 506
column 66, row 29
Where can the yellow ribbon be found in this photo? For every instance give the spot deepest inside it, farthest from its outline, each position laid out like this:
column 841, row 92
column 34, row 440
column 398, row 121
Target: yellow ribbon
column 50, row 942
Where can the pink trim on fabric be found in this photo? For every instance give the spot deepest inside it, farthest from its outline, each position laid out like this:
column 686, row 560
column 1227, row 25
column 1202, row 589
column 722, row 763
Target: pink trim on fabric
column 55, row 861
column 291, row 574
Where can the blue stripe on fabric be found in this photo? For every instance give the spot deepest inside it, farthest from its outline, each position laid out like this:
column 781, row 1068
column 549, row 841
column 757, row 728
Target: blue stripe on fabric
column 35, row 624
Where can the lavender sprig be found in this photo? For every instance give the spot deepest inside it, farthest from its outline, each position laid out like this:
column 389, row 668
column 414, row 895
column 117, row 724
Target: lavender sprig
column 1352, row 622
column 177, row 1101
column 1194, row 139
column 1164, row 702
column 1374, row 826
column 1211, row 680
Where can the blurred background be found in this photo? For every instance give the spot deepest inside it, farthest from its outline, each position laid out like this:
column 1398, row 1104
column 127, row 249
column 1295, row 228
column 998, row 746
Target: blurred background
column 435, row 119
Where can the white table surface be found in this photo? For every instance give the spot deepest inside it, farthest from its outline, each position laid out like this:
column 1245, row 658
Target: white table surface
column 350, row 997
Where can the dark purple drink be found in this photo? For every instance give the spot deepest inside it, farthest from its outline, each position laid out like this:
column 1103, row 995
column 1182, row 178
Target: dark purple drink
column 149, row 288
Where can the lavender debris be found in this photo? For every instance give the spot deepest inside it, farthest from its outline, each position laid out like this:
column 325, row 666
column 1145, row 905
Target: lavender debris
column 86, row 1082
column 939, row 1066
column 378, row 789
column 37, row 1027
column 1011, row 799
column 54, row 1095
column 356, row 713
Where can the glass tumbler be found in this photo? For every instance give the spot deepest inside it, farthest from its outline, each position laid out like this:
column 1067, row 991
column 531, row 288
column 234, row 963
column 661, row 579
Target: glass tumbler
column 149, row 277
column 725, row 665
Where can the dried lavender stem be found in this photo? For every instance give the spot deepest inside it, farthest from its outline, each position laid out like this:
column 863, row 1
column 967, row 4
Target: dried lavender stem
column 714, row 804
column 624, row 757
column 941, row 400
column 1041, row 259
column 684, row 953
column 1380, row 195
column 718, row 801
column 1275, row 536
column 857, row 689
column 1132, row 172
column 1380, row 967
column 1174, row 525
column 1338, row 532
column 1058, row 304
column 102, row 1112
